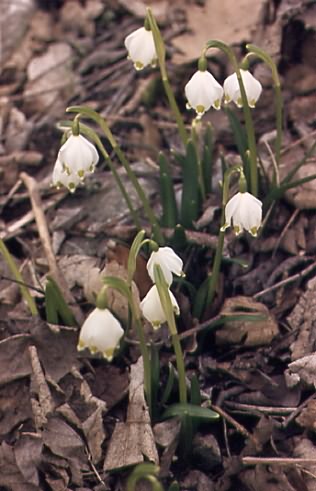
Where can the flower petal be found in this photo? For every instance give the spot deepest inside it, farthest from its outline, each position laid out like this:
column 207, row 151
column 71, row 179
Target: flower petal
column 101, row 332
column 141, row 47
column 169, row 262
column 203, row 91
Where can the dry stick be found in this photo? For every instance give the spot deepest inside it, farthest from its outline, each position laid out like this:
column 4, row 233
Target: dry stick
column 297, row 411
column 43, row 232
column 276, row 461
column 285, row 229
column 241, row 429
column 281, row 283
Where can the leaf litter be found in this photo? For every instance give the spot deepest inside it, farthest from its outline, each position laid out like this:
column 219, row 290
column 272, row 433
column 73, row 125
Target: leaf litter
column 64, row 422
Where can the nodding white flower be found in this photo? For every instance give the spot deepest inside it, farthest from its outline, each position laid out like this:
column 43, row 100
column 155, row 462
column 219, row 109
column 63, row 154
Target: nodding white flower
column 244, row 211
column 203, row 91
column 61, row 178
column 101, row 332
column 78, row 156
column 169, row 262
column 141, row 48
column 253, row 88
column 152, row 309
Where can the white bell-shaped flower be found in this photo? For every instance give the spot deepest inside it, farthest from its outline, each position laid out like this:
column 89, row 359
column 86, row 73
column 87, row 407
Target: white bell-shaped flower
column 203, row 91
column 141, row 48
column 253, row 89
column 61, row 178
column 152, row 309
column 78, row 156
column 244, row 212
column 101, row 332
column 169, row 262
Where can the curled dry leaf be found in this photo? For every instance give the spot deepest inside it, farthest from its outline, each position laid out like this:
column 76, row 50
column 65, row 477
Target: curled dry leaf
column 247, row 332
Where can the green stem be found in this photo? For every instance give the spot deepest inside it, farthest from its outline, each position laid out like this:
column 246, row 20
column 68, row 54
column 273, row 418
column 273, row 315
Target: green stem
column 89, row 113
column 216, row 264
column 17, row 275
column 161, row 55
column 246, row 110
column 164, row 296
column 180, row 367
column 220, row 244
column 253, row 50
column 199, row 161
column 146, row 359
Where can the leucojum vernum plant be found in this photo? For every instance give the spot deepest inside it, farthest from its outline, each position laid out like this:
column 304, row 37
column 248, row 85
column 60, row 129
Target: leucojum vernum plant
column 166, row 241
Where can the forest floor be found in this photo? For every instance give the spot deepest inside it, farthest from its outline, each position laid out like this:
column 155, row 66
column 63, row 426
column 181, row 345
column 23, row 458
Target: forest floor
column 58, row 408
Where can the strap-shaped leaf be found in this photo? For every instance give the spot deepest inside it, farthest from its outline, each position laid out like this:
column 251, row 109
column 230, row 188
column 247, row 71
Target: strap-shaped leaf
column 168, row 200
column 181, row 410
column 55, row 305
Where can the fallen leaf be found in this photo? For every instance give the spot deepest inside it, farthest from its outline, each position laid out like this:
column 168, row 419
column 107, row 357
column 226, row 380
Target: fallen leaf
column 10, row 476
column 249, row 333
column 133, row 441
column 217, row 20
column 14, row 358
column 28, row 451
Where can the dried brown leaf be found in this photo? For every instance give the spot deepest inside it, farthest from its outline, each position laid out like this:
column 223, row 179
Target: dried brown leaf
column 28, row 451
column 14, row 358
column 217, row 20
column 133, row 441
column 10, row 475
column 15, row 405
column 249, row 333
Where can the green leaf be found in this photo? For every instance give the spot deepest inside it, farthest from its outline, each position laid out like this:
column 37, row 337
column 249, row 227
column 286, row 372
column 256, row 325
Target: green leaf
column 207, row 159
column 146, row 471
column 50, row 304
column 155, row 377
column 196, row 399
column 190, row 204
column 181, row 410
column 55, row 305
column 168, row 200
column 195, row 393
column 169, row 385
column 200, row 298
column 179, row 240
column 174, row 486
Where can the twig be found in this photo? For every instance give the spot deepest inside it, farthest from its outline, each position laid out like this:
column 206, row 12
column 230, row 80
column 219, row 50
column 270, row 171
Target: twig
column 285, row 229
column 297, row 411
column 253, row 409
column 286, row 281
column 276, row 461
column 241, row 429
column 42, row 227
